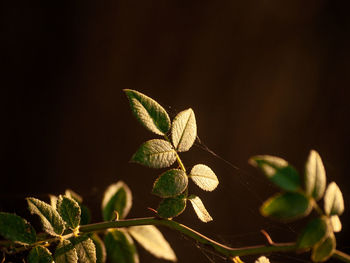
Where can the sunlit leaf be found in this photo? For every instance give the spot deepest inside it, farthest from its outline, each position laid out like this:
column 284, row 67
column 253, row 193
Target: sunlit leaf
column 204, row 177
column 155, row 153
column 324, row 250
column 262, row 259
column 70, row 193
column 52, row 222
column 315, row 176
column 85, row 249
column 39, row 254
column 199, row 208
column 333, row 200
column 118, row 198
column 315, row 231
column 53, row 201
column 153, row 241
column 286, row 206
column 65, row 252
column 172, row 207
column 171, row 183
column 120, row 247
column 100, row 248
column 69, row 210
column 149, row 113
column 336, row 224
column 184, row 130
column 16, row 228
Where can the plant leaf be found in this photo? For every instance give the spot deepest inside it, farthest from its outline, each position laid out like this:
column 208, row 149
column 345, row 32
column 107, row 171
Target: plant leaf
column 85, row 217
column 184, row 130
column 262, row 259
column 16, row 228
column 120, row 247
column 85, row 248
column 172, row 207
column 155, row 153
column 65, row 252
column 315, row 231
column 204, row 177
column 40, row 254
column 324, row 250
column 148, row 112
column 100, row 248
column 333, row 200
column 170, row 184
column 278, row 171
column 118, row 198
column 53, row 201
column 153, row 241
column 69, row 210
column 199, row 208
column 76, row 197
column 286, row 206
column 336, row 224
column 315, row 176
column 51, row 220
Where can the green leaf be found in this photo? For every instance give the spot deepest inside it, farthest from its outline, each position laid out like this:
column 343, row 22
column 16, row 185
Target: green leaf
column 315, row 176
column 76, row 197
column 170, row 184
column 85, row 249
column 17, row 229
column 204, row 177
column 51, row 220
column 315, row 231
column 155, row 153
column 172, row 207
column 262, row 259
column 148, row 112
column 120, row 247
column 100, row 249
column 69, row 210
column 40, row 254
column 199, row 208
column 336, row 224
column 153, row 241
column 118, row 198
column 65, row 252
column 333, row 200
column 184, row 130
column 286, row 206
column 278, row 171
column 85, row 217
column 324, row 250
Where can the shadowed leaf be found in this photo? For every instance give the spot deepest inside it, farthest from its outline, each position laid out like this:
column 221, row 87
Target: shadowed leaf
column 65, row 252
column 199, row 208
column 333, row 200
column 315, row 176
column 324, row 250
column 39, row 254
column 69, row 210
column 204, row 177
column 172, row 207
column 170, row 184
column 85, row 249
column 314, row 232
column 100, row 248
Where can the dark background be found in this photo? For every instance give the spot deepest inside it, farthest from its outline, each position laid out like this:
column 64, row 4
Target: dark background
column 263, row 77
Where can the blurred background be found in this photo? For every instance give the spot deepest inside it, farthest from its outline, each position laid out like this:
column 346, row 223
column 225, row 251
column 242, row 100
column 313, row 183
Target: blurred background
column 263, row 77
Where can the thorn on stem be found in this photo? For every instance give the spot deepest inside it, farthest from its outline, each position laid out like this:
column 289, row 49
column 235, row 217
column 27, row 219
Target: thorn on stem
column 116, row 215
column 267, row 236
column 153, row 210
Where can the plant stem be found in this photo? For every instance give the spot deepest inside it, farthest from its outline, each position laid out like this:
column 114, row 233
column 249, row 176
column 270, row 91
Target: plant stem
column 220, row 248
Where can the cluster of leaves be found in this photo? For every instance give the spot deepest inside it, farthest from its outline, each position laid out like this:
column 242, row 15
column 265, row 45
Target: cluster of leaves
column 172, row 185
column 298, row 198
column 64, row 243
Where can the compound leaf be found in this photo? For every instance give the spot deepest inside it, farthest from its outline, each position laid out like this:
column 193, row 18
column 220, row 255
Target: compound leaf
column 52, row 222
column 40, row 254
column 204, row 177
column 199, row 208
column 16, row 228
column 286, row 206
column 85, row 249
column 336, row 223
column 148, row 112
column 278, row 171
column 117, row 198
column 184, row 130
column 315, row 176
column 120, row 247
column 172, row 207
column 314, row 232
column 333, row 200
column 65, row 252
column 324, row 249
column 155, row 153
column 171, row 183
column 100, row 248
column 69, row 210
column 153, row 241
